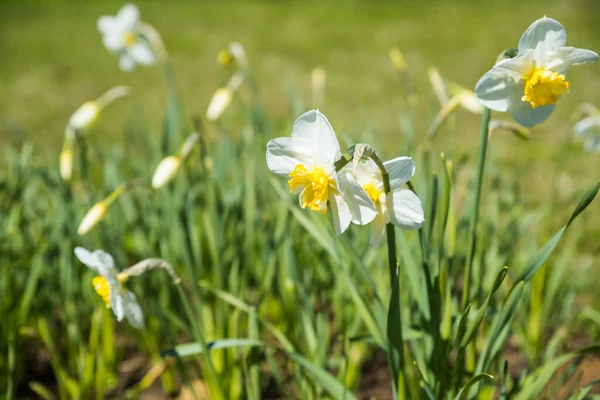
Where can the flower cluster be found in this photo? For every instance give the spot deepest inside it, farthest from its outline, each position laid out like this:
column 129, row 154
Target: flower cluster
column 354, row 193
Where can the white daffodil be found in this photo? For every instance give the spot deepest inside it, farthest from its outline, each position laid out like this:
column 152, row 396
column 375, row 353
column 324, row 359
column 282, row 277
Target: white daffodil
column 307, row 158
column 401, row 207
column 589, row 130
column 109, row 285
column 121, row 36
column 529, row 85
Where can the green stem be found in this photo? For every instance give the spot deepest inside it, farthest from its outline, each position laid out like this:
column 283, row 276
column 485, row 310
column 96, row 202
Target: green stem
column 208, row 368
column 484, row 135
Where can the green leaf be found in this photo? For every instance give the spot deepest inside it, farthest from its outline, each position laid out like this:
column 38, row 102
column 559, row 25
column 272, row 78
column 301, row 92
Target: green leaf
column 495, row 338
column 334, row 387
column 535, row 382
column 41, row 390
column 470, row 332
column 544, row 253
column 462, row 395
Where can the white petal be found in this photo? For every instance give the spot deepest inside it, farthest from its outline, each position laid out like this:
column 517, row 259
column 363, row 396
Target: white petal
column 85, row 115
column 592, row 145
column 86, row 257
column 545, row 32
column 106, row 24
column 361, row 207
column 564, row 57
column 114, row 43
column 133, row 311
column 312, row 130
column 406, row 209
column 128, row 16
column 105, row 258
column 142, row 54
column 126, row 62
column 340, row 212
column 502, row 82
column 116, row 302
column 283, row 157
column 377, row 230
column 365, row 171
column 400, row 170
column 582, row 126
column 524, row 114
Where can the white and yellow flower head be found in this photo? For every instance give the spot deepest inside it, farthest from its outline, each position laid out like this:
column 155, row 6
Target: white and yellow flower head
column 121, row 36
column 588, row 129
column 109, row 286
column 307, row 159
column 529, row 85
column 401, row 207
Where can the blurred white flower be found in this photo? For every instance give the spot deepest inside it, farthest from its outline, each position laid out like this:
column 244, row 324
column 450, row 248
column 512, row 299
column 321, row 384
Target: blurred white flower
column 121, row 36
column 85, row 116
column 109, row 285
column 165, row 171
column 529, row 85
column 169, row 166
column 401, row 207
column 66, row 164
column 92, row 218
column 588, row 129
column 307, row 158
column 222, row 97
column 233, row 53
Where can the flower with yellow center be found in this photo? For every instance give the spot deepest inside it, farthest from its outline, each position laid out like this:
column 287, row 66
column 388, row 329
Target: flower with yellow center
column 307, row 160
column 401, row 207
column 109, row 286
column 529, row 85
column 121, row 36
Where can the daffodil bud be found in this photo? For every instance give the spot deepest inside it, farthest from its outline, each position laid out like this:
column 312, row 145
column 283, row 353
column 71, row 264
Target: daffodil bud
column 520, row 131
column 85, row 116
column 470, row 102
column 92, row 218
column 224, row 58
column 218, row 103
column 165, row 171
column 66, row 164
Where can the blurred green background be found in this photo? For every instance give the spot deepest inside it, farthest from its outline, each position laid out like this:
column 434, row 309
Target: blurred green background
column 52, row 60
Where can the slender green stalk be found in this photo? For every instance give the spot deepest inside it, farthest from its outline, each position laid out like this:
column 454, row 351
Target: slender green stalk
column 485, row 122
column 208, row 368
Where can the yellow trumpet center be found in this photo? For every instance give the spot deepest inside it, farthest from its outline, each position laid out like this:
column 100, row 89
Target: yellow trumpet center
column 224, row 57
column 314, row 185
column 129, row 38
column 373, row 192
column 543, row 87
column 102, row 287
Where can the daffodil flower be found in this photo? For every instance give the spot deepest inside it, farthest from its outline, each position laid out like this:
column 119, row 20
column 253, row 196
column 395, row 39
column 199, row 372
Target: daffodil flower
column 589, row 130
column 109, row 284
column 401, row 206
column 529, row 85
column 121, row 36
column 307, row 159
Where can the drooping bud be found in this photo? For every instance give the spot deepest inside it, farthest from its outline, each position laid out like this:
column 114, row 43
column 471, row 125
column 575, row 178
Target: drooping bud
column 165, row 171
column 85, row 116
column 92, row 218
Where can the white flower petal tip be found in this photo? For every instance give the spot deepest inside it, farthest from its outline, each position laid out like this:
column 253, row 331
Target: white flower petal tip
column 165, row 171
column 529, row 85
column 218, row 103
column 92, row 218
